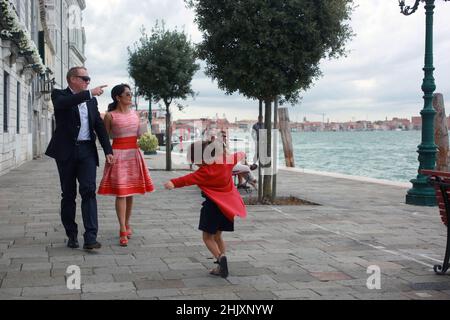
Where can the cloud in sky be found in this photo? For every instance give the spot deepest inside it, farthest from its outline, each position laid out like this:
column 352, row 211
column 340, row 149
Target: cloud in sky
column 380, row 77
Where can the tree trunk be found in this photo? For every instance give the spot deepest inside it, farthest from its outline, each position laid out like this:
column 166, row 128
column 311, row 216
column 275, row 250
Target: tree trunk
column 168, row 139
column 286, row 137
column 440, row 133
column 275, row 149
column 267, row 188
column 260, row 180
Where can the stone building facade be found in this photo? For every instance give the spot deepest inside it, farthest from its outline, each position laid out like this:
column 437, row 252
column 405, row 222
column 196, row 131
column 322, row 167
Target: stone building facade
column 39, row 41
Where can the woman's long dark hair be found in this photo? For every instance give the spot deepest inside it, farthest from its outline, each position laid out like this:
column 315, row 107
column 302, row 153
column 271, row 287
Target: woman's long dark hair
column 117, row 91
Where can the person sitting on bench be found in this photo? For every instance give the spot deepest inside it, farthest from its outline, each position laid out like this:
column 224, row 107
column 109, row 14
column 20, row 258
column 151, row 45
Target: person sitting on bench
column 242, row 170
column 245, row 175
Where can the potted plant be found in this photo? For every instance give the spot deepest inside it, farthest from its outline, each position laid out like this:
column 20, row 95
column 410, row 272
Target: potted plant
column 148, row 143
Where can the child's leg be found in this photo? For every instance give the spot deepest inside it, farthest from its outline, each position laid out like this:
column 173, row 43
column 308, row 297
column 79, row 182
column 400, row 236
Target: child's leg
column 220, row 243
column 211, row 244
column 222, row 260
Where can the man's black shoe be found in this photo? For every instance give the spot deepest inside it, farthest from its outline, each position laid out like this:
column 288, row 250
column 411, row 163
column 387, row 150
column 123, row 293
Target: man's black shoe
column 96, row 245
column 73, row 243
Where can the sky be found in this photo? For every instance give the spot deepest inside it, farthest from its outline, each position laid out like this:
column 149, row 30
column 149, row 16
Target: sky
column 380, row 77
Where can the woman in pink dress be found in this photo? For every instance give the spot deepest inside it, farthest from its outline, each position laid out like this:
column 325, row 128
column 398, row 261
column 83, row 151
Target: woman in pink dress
column 128, row 175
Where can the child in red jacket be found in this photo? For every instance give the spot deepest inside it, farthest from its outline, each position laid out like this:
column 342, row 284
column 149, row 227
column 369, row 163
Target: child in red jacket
column 222, row 200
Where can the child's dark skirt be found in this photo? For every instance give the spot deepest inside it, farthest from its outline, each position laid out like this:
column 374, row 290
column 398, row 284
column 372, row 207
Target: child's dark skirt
column 212, row 219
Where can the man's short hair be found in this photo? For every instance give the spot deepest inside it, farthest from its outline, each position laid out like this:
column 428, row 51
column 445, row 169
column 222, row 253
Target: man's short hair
column 73, row 72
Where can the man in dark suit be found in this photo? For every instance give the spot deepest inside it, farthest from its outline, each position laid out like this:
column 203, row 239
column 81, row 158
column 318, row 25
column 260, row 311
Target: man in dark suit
column 78, row 122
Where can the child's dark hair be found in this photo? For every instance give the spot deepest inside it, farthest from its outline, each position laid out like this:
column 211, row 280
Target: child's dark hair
column 205, row 152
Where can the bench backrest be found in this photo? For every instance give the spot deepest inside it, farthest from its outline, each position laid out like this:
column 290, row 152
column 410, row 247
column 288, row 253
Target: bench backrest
column 441, row 201
column 441, row 183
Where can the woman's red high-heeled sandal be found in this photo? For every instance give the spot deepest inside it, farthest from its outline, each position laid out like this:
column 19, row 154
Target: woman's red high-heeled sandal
column 129, row 231
column 123, row 239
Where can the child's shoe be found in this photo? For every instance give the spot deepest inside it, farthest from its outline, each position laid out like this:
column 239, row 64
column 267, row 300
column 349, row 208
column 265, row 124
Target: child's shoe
column 223, row 266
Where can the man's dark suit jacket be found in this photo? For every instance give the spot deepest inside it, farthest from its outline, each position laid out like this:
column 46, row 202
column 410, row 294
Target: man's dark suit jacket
column 68, row 124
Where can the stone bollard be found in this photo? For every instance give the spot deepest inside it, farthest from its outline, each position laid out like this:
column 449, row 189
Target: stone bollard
column 441, row 133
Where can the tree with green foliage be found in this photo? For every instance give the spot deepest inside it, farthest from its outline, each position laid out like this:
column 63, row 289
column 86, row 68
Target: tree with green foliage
column 162, row 66
column 268, row 48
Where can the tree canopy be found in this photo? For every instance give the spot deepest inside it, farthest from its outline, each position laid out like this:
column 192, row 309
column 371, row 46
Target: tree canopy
column 268, row 48
column 163, row 65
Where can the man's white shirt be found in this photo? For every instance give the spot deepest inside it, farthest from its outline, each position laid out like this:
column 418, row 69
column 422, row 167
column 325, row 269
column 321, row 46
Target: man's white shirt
column 84, row 119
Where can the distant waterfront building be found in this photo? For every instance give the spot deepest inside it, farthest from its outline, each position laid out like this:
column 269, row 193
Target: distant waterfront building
column 399, row 124
column 360, row 125
column 312, row 126
column 39, row 41
column 416, row 123
column 245, row 124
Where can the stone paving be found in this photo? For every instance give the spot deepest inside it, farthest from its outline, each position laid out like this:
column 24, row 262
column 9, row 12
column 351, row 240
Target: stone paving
column 304, row 252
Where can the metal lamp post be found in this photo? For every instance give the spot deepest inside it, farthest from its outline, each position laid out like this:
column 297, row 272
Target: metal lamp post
column 422, row 193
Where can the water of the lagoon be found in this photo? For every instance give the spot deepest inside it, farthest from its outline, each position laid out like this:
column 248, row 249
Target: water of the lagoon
column 388, row 155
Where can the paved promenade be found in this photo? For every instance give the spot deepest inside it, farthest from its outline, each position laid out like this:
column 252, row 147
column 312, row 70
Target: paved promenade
column 303, row 252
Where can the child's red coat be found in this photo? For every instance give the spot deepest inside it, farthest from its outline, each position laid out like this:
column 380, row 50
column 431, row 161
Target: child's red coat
column 216, row 181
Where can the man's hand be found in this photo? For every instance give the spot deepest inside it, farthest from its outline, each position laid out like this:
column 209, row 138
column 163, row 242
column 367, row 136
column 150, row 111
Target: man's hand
column 110, row 159
column 98, row 91
column 169, row 185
